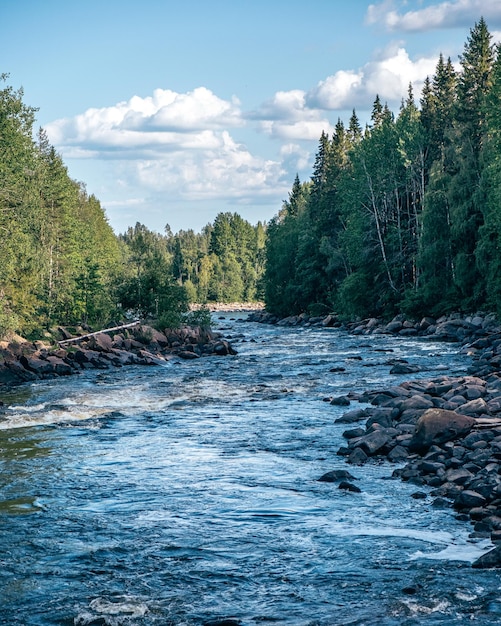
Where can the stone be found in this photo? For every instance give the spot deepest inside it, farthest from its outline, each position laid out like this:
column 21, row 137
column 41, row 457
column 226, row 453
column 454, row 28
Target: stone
column 39, row 366
column 60, row 367
column 100, row 343
column 488, row 560
column 374, row 441
column 473, row 407
column 357, row 457
column 223, row 348
column 440, row 503
column 458, row 476
column 393, row 327
column 469, row 499
column 340, row 401
column 351, row 416
column 336, row 475
column 188, row 355
column 353, row 433
column 398, row 453
column 437, row 426
column 349, row 487
column 416, row 402
column 404, row 368
column 13, row 372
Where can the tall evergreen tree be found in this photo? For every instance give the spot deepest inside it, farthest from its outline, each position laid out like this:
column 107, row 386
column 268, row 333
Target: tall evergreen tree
column 464, row 190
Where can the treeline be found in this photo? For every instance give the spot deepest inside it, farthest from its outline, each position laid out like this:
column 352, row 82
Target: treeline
column 404, row 215
column 222, row 263
column 61, row 262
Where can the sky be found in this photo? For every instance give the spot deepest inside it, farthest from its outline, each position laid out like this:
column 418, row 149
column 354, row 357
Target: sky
column 171, row 112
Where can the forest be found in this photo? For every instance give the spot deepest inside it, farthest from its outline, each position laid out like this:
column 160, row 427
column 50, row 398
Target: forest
column 403, row 215
column 62, row 264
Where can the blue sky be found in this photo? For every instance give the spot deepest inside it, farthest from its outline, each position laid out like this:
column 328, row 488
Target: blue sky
column 171, row 112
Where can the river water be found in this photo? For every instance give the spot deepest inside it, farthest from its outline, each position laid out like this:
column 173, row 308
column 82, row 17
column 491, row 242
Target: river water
column 187, row 494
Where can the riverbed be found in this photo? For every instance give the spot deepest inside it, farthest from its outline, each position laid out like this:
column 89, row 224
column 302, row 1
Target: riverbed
column 188, row 494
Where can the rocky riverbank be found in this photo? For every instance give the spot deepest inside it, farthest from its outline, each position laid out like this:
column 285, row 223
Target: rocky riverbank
column 444, row 433
column 22, row 361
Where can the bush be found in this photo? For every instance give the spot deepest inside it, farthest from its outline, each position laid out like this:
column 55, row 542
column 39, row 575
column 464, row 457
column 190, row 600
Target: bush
column 200, row 317
column 8, row 320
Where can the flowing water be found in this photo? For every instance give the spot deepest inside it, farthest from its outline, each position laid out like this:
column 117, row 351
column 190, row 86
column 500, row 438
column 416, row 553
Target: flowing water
column 188, row 494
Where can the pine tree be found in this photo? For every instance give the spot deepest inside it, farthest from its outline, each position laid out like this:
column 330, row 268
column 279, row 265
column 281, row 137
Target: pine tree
column 464, row 191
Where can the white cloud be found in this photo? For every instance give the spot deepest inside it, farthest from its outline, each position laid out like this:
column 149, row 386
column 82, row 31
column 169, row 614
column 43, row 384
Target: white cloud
column 288, row 117
column 165, row 121
column 231, row 171
column 451, row 14
column 388, row 75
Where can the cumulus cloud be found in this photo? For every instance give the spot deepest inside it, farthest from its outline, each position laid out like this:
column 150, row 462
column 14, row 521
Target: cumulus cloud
column 450, row 14
column 231, row 171
column 287, row 116
column 388, row 75
column 302, row 116
column 165, row 121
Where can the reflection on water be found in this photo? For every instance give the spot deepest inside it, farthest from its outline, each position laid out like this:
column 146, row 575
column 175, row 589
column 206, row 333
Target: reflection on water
column 188, row 494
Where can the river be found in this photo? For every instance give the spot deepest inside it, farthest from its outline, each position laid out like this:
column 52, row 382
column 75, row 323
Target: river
column 187, row 494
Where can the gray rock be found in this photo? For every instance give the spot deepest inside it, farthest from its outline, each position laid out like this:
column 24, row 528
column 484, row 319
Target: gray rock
column 398, row 453
column 349, row 487
column 351, row 416
column 469, row 499
column 458, row 476
column 438, row 426
column 489, row 559
column 340, row 401
column 374, row 441
column 474, row 407
column 404, row 368
column 336, row 475
column 357, row 457
column 353, row 433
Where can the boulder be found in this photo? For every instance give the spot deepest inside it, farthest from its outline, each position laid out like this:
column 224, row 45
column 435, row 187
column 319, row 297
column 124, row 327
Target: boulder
column 340, row 401
column 187, row 355
column 60, row 367
column 336, row 475
column 404, row 368
column 374, row 441
column 489, row 559
column 100, row 343
column 349, row 487
column 473, row 407
column 437, row 426
column 352, row 416
column 357, row 457
column 13, row 372
column 39, row 366
column 416, row 402
column 469, row 499
column 397, row 454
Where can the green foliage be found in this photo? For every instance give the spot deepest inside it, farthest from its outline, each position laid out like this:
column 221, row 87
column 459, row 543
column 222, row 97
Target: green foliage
column 198, row 317
column 9, row 322
column 406, row 216
column 59, row 256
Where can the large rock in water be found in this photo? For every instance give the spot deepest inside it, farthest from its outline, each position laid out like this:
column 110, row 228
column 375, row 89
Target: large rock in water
column 437, row 426
column 490, row 559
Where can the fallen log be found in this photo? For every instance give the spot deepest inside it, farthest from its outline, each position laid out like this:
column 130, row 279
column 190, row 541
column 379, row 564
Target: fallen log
column 99, row 332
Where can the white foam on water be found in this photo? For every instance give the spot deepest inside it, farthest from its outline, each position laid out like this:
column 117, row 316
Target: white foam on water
column 428, row 536
column 421, row 609
column 456, row 551
column 124, row 605
column 44, row 418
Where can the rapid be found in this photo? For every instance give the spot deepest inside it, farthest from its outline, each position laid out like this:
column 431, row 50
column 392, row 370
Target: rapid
column 188, row 494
